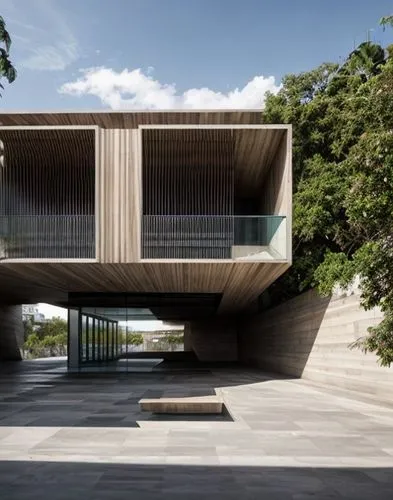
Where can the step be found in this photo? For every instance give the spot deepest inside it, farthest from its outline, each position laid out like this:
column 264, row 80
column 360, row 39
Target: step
column 199, row 405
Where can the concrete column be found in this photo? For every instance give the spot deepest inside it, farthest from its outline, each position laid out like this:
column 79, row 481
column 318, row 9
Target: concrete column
column 212, row 340
column 11, row 332
column 73, row 339
column 187, row 337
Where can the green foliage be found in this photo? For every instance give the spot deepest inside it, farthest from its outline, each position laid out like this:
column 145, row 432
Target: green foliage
column 173, row 339
column 386, row 21
column 46, row 339
column 342, row 120
column 52, row 328
column 366, row 60
column 7, row 69
column 135, row 338
column 336, row 269
column 32, row 341
column 28, row 328
column 379, row 340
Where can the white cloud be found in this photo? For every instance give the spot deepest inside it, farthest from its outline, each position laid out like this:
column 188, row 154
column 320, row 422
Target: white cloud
column 42, row 34
column 52, row 311
column 134, row 89
column 52, row 57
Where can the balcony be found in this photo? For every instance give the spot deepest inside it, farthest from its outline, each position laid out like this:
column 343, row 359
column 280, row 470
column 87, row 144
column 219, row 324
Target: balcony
column 47, row 193
column 47, row 237
column 238, row 238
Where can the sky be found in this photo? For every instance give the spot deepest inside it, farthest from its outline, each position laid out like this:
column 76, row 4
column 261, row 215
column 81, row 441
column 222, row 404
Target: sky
column 170, row 54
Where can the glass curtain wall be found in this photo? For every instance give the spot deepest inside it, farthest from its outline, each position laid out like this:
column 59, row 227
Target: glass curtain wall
column 99, row 339
column 106, row 335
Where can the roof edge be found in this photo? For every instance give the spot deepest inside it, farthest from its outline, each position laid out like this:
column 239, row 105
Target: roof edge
column 130, row 111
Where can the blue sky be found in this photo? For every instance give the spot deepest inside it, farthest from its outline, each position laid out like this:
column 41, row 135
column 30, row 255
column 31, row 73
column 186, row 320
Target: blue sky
column 88, row 54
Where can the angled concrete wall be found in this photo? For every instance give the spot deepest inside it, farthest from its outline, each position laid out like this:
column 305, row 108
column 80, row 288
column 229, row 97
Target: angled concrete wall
column 309, row 336
column 211, row 340
column 11, row 332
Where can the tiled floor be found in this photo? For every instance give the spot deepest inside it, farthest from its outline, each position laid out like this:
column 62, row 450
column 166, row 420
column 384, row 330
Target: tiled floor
column 82, row 436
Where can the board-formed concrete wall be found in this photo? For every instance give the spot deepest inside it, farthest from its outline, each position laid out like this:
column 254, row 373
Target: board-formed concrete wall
column 309, row 336
column 11, row 332
column 211, row 340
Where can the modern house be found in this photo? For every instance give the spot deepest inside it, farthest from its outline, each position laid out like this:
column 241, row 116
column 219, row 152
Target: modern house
column 181, row 216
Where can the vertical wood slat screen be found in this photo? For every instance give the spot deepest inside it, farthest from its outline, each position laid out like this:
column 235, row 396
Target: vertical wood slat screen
column 188, row 172
column 47, row 193
column 188, row 183
column 119, row 198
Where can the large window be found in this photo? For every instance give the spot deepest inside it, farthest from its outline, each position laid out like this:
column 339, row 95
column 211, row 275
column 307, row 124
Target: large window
column 98, row 338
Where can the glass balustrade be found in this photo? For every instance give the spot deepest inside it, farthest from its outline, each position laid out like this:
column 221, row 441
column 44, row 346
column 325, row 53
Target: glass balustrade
column 261, row 237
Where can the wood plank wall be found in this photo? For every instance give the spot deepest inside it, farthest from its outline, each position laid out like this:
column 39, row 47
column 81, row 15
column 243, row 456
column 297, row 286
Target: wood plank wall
column 133, row 119
column 254, row 151
column 275, row 199
column 119, row 187
column 276, row 192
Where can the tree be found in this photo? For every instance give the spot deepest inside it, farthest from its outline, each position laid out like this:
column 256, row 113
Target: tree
column 173, row 340
column 28, row 328
column 135, row 338
column 52, row 327
column 343, row 182
column 366, row 60
column 7, row 69
column 32, row 342
column 386, row 21
column 46, row 339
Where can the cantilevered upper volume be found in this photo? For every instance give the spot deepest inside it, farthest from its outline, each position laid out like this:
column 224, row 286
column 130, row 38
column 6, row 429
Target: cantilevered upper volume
column 143, row 203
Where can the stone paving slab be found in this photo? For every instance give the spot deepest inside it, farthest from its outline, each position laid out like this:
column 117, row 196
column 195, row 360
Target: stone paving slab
column 85, row 437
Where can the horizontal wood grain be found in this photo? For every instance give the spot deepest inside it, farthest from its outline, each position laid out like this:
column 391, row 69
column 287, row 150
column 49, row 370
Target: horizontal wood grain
column 240, row 283
column 131, row 119
column 237, row 150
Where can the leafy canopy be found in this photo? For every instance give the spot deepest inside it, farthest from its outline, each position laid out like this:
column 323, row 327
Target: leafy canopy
column 342, row 120
column 7, row 69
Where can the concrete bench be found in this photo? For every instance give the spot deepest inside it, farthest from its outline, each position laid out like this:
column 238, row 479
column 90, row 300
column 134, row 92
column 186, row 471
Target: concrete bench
column 200, row 404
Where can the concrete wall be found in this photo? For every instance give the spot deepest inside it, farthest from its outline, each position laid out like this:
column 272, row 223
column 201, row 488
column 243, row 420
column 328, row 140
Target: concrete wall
column 308, row 337
column 211, row 340
column 11, row 332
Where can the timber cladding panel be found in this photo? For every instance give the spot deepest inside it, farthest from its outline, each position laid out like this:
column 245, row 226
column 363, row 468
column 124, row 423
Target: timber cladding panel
column 255, row 149
column 225, row 158
column 131, row 119
column 119, row 188
column 239, row 283
column 309, row 337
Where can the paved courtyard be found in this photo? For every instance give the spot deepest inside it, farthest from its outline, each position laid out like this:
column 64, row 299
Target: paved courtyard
column 82, row 436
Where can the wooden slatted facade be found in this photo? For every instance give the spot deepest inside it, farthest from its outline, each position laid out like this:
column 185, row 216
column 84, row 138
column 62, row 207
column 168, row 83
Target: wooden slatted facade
column 188, row 172
column 48, row 192
column 201, row 164
column 119, row 187
column 130, row 119
column 239, row 283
